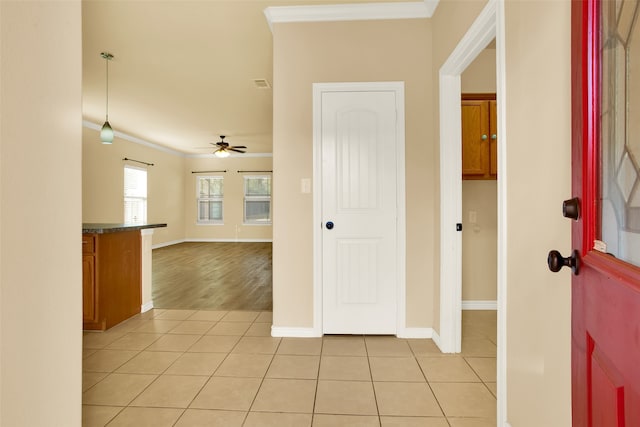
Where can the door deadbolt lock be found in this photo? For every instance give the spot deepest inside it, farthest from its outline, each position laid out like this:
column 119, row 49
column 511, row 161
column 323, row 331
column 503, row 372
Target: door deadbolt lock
column 571, row 208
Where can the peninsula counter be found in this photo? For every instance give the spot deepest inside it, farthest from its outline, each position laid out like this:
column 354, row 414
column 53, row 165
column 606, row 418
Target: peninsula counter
column 116, row 272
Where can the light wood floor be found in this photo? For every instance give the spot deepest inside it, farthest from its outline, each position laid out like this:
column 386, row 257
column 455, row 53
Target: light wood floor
column 213, row 276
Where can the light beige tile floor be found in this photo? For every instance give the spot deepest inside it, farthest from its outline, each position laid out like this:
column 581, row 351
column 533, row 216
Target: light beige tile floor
column 188, row 368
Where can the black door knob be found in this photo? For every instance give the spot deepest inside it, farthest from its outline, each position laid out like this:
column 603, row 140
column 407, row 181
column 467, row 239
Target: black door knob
column 329, row 225
column 556, row 261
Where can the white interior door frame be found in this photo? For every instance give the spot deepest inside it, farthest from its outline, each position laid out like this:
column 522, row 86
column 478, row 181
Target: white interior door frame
column 488, row 25
column 398, row 89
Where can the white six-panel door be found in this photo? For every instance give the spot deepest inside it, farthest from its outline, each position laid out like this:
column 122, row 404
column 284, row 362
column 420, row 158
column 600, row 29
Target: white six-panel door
column 359, row 253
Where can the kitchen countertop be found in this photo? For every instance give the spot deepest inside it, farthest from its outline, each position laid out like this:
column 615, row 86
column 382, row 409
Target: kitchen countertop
column 114, row 228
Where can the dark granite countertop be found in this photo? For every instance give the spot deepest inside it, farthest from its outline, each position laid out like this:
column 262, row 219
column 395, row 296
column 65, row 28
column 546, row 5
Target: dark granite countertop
column 114, row 228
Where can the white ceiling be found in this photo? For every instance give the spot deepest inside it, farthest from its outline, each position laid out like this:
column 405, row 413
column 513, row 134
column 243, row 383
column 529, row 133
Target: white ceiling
column 183, row 71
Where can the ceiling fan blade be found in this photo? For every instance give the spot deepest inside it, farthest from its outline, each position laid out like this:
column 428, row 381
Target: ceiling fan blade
column 237, row 151
column 239, row 146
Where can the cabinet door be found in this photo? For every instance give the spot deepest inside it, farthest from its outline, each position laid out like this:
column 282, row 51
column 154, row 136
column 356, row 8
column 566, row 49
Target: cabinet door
column 475, row 139
column 493, row 138
column 88, row 288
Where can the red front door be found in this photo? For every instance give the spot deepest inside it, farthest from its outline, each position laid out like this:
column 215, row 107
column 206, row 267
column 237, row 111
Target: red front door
column 606, row 181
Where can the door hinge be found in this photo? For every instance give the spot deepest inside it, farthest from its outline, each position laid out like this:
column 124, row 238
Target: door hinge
column 459, row 226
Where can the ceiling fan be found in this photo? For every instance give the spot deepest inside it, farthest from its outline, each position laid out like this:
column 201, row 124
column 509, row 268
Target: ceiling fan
column 224, row 148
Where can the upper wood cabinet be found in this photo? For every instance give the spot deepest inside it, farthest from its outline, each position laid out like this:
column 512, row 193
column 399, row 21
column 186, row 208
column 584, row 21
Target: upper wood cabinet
column 479, row 137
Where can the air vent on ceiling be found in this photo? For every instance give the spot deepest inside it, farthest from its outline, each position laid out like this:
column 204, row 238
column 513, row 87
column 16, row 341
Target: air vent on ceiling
column 261, row 83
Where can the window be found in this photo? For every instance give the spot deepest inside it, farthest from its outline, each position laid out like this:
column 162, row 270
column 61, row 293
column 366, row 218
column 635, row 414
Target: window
column 135, row 195
column 210, row 195
column 257, row 199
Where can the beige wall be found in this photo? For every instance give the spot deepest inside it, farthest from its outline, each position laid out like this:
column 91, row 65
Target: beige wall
column 171, row 190
column 307, row 53
column 40, row 221
column 538, row 102
column 480, row 75
column 480, row 240
column 233, row 214
column 103, row 183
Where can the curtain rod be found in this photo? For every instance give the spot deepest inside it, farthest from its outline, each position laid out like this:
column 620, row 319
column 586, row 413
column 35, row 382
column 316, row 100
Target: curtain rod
column 255, row 171
column 224, row 171
column 138, row 161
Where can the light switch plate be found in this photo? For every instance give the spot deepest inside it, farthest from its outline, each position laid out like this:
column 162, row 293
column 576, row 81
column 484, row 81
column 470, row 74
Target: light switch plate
column 305, row 185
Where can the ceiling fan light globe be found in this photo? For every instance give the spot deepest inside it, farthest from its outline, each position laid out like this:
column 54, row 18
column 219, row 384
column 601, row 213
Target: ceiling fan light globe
column 106, row 133
column 222, row 153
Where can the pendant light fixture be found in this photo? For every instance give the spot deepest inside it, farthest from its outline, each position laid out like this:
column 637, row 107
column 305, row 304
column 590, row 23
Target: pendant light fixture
column 106, row 133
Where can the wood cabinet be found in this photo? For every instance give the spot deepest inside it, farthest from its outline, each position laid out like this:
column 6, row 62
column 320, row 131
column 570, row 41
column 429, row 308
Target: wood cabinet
column 88, row 279
column 479, row 137
column 111, row 278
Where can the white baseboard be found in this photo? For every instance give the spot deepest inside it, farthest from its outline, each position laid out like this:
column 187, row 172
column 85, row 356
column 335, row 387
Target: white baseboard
column 278, row 331
column 196, row 239
column 163, row 244
column 479, row 305
column 146, row 307
column 415, row 333
column 436, row 339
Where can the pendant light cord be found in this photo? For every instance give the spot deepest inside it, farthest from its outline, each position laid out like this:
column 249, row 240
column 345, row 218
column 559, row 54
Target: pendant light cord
column 107, row 91
column 107, row 57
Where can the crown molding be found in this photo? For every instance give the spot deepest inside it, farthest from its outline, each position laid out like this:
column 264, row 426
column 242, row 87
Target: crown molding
column 350, row 12
column 231, row 155
column 136, row 140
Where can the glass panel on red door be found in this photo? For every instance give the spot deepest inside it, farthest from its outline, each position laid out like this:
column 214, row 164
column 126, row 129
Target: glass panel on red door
column 619, row 208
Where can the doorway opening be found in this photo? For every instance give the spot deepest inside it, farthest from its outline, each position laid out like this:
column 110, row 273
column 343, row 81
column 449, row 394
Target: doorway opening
column 479, row 209
column 488, row 25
